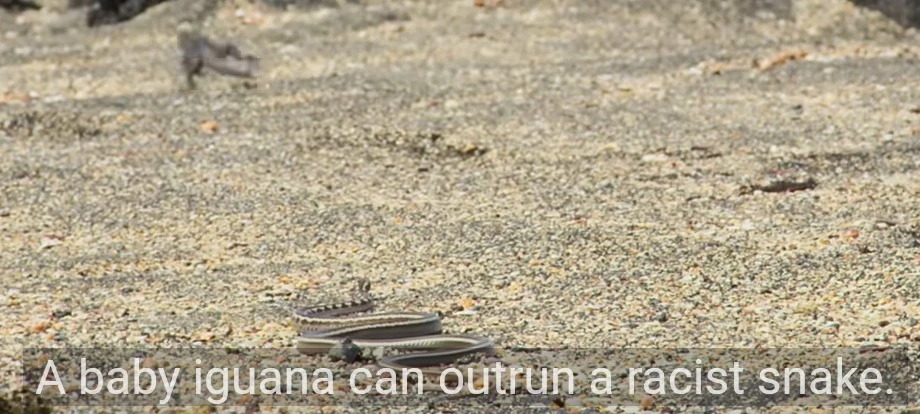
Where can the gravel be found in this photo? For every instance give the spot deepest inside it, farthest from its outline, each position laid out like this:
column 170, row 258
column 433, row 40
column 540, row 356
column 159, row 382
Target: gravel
column 579, row 171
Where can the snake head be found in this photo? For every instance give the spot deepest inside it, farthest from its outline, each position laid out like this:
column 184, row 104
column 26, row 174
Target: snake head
column 364, row 285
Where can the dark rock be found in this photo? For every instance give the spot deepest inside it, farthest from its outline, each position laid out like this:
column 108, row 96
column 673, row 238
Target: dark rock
column 904, row 12
column 347, row 351
column 16, row 6
column 116, row 11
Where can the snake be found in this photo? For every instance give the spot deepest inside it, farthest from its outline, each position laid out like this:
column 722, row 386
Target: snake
column 333, row 325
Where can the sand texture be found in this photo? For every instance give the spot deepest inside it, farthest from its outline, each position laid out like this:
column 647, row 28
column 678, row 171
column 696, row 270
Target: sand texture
column 566, row 173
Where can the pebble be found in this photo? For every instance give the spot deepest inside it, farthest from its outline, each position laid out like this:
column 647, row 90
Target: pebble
column 49, row 242
column 39, row 327
column 467, row 312
column 60, row 311
column 347, row 352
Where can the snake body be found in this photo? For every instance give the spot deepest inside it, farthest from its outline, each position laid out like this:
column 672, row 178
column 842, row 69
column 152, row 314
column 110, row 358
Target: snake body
column 332, row 325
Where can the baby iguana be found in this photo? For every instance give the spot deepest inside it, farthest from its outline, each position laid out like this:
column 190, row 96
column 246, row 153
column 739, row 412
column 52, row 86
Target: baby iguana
column 199, row 52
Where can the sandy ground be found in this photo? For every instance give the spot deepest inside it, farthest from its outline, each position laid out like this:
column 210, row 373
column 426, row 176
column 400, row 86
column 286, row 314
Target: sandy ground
column 575, row 173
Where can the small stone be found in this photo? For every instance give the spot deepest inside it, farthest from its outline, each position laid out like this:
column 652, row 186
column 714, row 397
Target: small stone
column 347, row 351
column 203, row 336
column 467, row 312
column 40, row 327
column 208, row 127
column 60, row 311
column 48, row 242
column 469, row 149
column 915, row 335
column 559, row 402
column 882, row 224
column 647, row 402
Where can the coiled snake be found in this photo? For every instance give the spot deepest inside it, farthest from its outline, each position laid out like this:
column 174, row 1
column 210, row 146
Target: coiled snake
column 402, row 330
